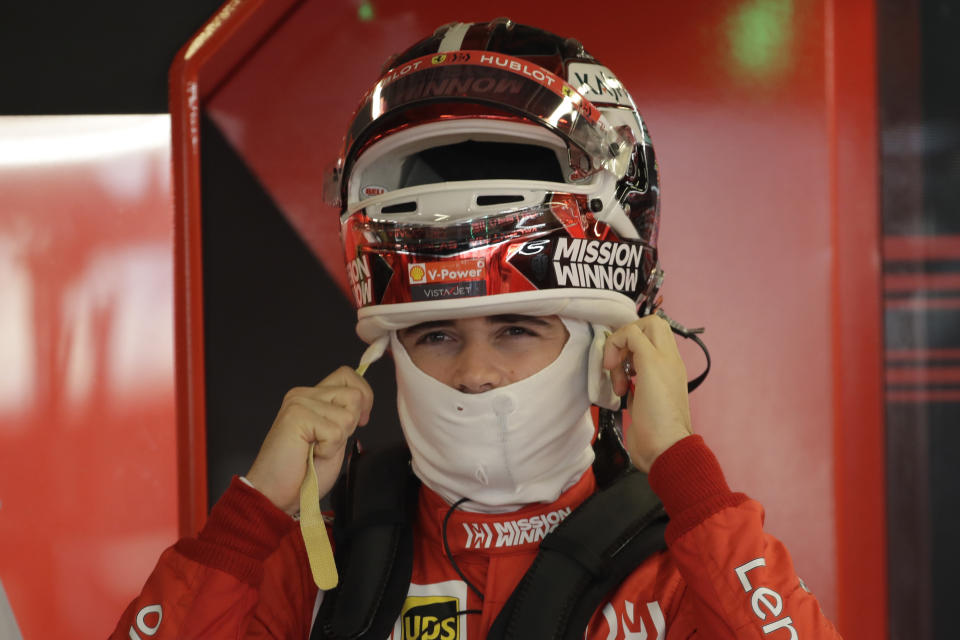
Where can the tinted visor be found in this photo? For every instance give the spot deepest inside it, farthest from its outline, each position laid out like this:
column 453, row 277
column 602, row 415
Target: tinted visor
column 473, row 160
column 556, row 245
column 363, row 234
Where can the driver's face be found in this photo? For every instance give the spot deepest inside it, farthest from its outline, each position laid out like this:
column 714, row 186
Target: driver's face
column 474, row 355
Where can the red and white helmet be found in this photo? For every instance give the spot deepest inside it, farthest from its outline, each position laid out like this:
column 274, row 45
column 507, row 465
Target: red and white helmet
column 497, row 168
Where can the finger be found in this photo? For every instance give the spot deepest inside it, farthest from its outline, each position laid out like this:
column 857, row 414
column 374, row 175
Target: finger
column 619, row 356
column 619, row 380
column 346, row 417
column 328, row 428
column 613, row 362
column 614, row 350
column 327, row 473
column 345, row 397
column 347, row 377
column 341, row 396
column 659, row 333
column 330, row 438
column 627, row 343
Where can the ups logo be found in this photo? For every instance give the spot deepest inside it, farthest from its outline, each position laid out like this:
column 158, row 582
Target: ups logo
column 430, row 618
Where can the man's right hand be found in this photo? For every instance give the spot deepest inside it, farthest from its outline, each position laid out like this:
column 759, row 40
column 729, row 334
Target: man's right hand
column 326, row 414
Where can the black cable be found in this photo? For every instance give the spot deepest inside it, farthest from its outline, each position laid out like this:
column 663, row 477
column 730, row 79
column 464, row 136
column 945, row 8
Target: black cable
column 446, row 549
column 689, row 334
column 696, row 382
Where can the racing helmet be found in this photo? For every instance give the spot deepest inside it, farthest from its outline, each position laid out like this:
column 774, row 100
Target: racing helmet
column 496, row 168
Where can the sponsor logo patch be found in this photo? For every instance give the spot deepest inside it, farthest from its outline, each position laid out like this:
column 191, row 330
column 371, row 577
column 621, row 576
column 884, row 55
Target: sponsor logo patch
column 443, row 280
column 513, row 532
column 476, row 82
column 561, row 261
column 430, row 618
column 597, row 84
column 417, row 273
column 632, row 620
column 372, row 190
column 358, row 276
column 597, row 264
column 368, row 276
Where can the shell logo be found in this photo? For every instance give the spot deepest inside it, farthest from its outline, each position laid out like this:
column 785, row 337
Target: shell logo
column 417, row 272
column 438, row 59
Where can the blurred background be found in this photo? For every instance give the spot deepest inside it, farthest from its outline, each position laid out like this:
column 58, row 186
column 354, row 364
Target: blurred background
column 168, row 270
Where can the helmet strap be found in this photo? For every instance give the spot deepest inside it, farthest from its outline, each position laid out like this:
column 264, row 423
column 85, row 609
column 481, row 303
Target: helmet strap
column 612, row 459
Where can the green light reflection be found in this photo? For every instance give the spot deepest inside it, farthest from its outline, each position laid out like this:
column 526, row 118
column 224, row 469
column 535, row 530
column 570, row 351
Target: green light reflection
column 365, row 11
column 760, row 33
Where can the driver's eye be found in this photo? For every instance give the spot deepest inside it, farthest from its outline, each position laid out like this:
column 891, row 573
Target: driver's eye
column 432, row 337
column 517, row 330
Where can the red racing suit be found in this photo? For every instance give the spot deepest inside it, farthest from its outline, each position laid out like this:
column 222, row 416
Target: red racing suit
column 247, row 576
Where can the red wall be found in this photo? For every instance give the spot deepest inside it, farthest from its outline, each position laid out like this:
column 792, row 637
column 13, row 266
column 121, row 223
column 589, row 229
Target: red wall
column 87, row 412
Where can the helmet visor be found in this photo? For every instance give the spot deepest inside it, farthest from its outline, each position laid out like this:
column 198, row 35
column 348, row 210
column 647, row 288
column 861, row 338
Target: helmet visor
column 555, row 245
column 363, row 233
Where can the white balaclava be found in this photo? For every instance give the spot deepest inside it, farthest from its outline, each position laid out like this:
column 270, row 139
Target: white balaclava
column 518, row 444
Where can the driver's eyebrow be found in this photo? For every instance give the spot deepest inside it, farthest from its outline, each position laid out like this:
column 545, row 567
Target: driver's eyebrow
column 516, row 318
column 503, row 318
column 426, row 326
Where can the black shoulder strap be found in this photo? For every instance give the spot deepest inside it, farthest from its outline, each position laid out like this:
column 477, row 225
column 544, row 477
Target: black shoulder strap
column 592, row 551
column 375, row 506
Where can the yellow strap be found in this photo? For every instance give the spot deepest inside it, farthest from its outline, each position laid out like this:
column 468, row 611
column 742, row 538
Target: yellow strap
column 312, row 526
column 314, row 530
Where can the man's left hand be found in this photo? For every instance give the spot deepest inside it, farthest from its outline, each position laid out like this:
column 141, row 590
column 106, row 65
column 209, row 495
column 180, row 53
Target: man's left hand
column 659, row 409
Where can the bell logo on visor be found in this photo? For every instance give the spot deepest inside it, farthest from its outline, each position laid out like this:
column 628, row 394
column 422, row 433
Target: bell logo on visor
column 373, row 190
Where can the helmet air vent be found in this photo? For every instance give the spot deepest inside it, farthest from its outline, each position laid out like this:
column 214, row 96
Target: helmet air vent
column 403, row 207
column 486, row 201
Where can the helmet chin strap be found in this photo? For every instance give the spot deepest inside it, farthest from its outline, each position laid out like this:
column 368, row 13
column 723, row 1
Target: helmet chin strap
column 612, row 458
column 599, row 385
column 373, row 352
column 312, row 525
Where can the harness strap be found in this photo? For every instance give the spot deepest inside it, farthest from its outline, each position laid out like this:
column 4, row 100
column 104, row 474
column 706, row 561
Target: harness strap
column 375, row 505
column 592, row 551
